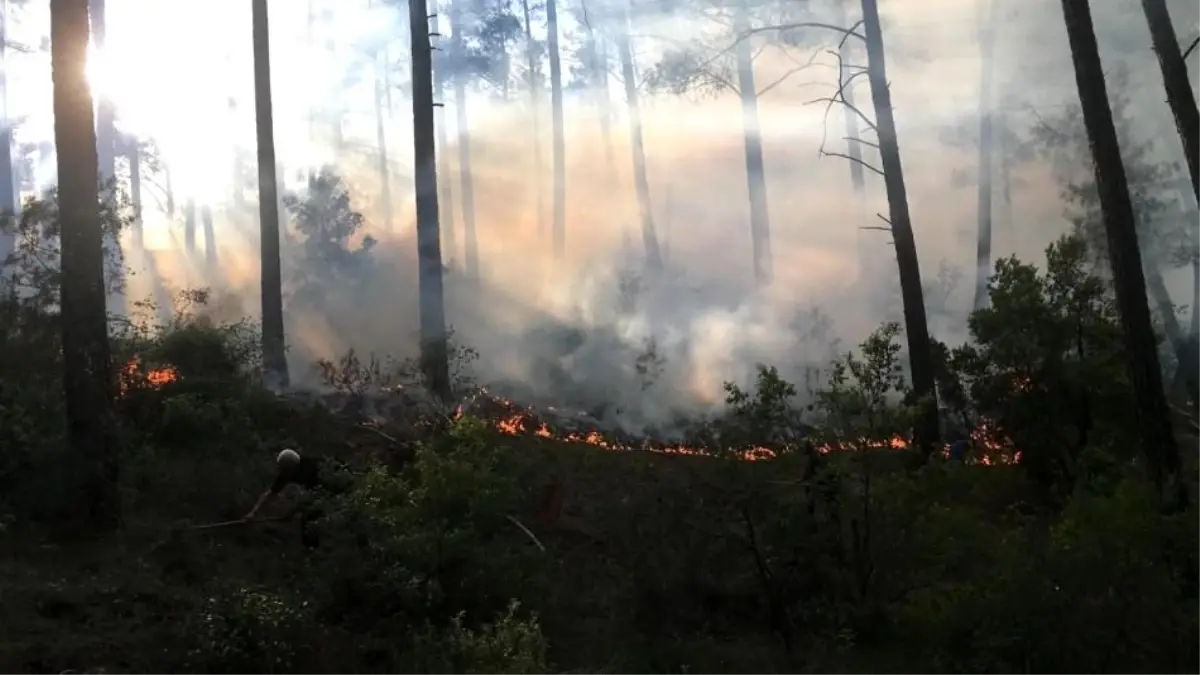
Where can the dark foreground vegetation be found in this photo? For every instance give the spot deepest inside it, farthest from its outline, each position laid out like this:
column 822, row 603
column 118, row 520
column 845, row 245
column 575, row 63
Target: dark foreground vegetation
column 1043, row 549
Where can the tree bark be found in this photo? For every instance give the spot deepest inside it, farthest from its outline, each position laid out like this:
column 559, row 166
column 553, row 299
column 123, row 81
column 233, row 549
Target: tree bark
column 558, row 142
column 1178, row 84
column 926, row 430
column 983, row 238
column 760, row 226
column 446, row 215
column 135, row 193
column 434, row 357
column 274, row 356
column 1124, row 252
column 640, row 179
column 88, row 376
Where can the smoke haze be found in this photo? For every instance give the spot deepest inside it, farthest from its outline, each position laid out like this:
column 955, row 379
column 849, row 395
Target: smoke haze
column 564, row 332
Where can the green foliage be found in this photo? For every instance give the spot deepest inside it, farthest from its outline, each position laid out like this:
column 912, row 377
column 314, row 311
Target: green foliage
column 254, row 631
column 409, row 553
column 1045, row 366
column 31, row 269
column 510, row 644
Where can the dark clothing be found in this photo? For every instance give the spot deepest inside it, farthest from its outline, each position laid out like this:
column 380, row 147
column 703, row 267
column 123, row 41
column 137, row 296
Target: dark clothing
column 314, row 475
column 306, row 474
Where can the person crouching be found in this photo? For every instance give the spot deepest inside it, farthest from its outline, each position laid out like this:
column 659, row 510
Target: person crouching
column 309, row 473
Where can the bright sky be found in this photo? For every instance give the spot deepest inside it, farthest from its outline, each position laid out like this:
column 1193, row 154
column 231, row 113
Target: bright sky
column 171, row 72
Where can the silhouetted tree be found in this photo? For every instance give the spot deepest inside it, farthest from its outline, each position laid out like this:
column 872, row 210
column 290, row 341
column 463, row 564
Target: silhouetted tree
column 274, row 357
column 434, row 353
column 88, row 375
column 1124, row 252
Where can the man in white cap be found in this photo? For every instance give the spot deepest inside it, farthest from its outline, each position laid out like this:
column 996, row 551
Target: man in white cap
column 292, row 468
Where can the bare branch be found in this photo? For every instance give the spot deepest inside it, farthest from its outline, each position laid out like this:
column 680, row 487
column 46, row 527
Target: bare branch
column 1187, row 52
column 846, row 32
column 826, row 153
column 880, row 216
column 876, row 228
column 861, row 141
column 789, row 73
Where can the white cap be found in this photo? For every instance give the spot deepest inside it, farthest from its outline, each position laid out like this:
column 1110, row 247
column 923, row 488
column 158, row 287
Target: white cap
column 288, row 457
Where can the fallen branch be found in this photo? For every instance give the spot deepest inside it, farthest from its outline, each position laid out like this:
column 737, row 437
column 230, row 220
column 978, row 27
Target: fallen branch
column 239, row 521
column 526, row 530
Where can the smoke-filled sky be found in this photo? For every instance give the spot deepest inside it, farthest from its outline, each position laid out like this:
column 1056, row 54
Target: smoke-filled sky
column 180, row 73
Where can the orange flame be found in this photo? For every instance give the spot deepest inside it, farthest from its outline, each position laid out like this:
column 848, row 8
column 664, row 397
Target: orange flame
column 517, row 421
column 133, row 375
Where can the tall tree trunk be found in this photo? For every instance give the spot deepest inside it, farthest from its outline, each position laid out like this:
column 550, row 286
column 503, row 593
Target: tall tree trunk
column 8, row 186
column 189, row 227
column 1006, row 167
column 170, row 189
column 760, row 226
column 465, row 182
column 446, row 215
column 274, row 356
column 559, row 143
column 640, row 180
column 87, row 372
column 1124, row 251
column 983, row 237
column 1180, row 96
column 434, row 357
column 385, row 174
column 210, row 236
column 926, row 430
column 535, row 115
column 135, row 194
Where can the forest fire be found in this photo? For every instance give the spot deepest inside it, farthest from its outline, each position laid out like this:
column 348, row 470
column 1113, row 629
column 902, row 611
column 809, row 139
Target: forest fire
column 511, row 419
column 134, row 375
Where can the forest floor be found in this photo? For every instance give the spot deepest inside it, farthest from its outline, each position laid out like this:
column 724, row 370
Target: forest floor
column 126, row 603
column 645, row 552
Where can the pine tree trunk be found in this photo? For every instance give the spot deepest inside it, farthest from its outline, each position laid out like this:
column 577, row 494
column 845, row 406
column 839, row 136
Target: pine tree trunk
column 135, row 194
column 926, row 429
column 446, row 215
column 1124, row 252
column 558, row 132
column 88, row 374
column 189, row 227
column 760, row 226
column 983, row 238
column 640, row 179
column 434, row 357
column 210, row 237
column 274, row 356
column 1178, row 84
